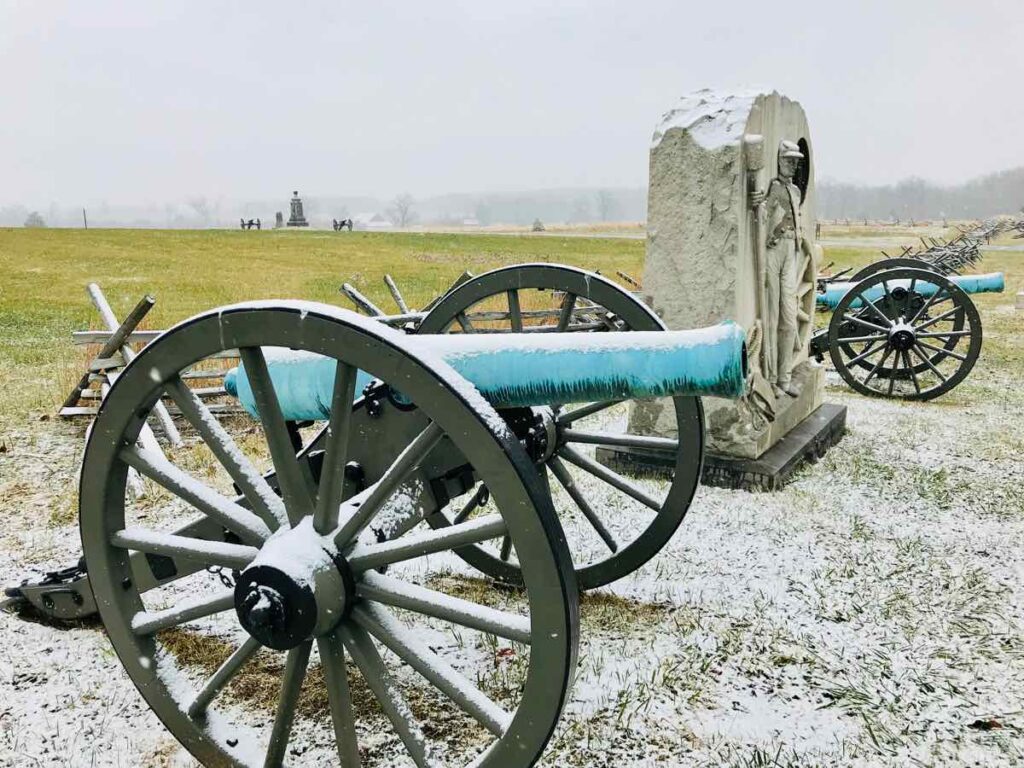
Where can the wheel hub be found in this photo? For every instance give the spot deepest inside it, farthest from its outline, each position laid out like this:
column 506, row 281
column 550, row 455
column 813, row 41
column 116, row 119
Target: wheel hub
column 902, row 336
column 295, row 589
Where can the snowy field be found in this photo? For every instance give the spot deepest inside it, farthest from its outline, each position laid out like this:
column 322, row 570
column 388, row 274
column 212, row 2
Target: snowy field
column 870, row 614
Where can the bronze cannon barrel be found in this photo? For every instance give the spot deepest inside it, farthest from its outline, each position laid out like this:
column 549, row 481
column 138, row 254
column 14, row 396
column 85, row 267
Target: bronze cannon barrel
column 537, row 369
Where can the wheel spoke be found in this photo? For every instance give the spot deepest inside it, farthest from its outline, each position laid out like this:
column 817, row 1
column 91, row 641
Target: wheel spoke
column 909, row 296
column 878, row 365
column 564, row 477
column 913, row 373
column 332, row 659
column 933, row 299
column 941, row 350
column 237, row 519
column 568, row 305
column 360, row 646
column 892, row 373
column 623, row 440
column 927, row 361
column 294, row 489
column 406, row 463
column 291, row 685
column 871, row 350
column 877, row 311
column 148, row 622
column 936, row 319
column 403, row 643
column 587, row 410
column 429, row 602
column 514, row 311
column 612, row 478
column 222, row 677
column 945, row 334
column 862, row 339
column 332, row 477
column 888, row 294
column 464, row 323
column 250, row 482
column 203, row 551
column 478, row 500
column 370, row 556
column 864, row 323
column 506, row 548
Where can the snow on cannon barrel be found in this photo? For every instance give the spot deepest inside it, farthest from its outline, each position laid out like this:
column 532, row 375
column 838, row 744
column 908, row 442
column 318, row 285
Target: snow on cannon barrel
column 993, row 282
column 514, row 370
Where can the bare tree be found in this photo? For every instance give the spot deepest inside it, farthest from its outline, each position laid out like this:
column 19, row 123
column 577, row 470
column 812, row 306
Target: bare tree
column 580, row 211
column 202, row 209
column 606, row 205
column 400, row 212
column 12, row 215
column 35, row 220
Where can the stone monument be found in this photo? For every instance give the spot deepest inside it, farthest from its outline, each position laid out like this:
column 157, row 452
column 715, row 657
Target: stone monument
column 296, row 218
column 278, row 220
column 731, row 236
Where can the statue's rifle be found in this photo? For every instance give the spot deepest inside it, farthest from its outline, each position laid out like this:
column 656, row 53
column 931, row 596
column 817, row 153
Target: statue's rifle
column 753, row 149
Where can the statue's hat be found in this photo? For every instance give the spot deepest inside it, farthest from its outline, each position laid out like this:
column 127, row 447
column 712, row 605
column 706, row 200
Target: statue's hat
column 790, row 149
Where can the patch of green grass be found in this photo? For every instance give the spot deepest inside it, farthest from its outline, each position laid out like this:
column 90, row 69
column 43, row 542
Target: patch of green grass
column 44, row 272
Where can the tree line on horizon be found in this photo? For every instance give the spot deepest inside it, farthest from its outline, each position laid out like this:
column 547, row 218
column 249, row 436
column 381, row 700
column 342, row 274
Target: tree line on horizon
column 907, row 200
column 915, row 198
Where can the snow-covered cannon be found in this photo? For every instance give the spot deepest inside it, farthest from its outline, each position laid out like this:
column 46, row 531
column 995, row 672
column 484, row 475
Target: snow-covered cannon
column 903, row 331
column 436, row 458
column 524, row 369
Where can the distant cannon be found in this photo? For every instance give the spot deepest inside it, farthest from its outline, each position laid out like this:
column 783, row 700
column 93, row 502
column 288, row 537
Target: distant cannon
column 993, row 282
column 463, row 441
column 903, row 331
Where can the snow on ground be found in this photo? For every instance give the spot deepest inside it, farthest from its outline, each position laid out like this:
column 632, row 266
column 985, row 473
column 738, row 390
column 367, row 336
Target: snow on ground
column 869, row 614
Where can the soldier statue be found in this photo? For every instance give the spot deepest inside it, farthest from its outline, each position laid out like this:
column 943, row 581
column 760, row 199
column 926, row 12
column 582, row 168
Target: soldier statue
column 784, row 245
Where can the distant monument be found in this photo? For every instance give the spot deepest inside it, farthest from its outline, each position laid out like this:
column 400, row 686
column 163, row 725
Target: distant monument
column 296, row 219
column 278, row 220
column 731, row 236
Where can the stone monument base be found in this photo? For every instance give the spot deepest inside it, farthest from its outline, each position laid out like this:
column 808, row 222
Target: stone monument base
column 729, row 428
column 809, row 440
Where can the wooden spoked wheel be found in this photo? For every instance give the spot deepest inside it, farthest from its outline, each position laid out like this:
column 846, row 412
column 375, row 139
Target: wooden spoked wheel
column 905, row 333
column 614, row 524
column 314, row 651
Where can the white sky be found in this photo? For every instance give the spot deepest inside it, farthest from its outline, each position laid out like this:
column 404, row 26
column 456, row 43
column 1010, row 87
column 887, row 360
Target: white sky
column 129, row 102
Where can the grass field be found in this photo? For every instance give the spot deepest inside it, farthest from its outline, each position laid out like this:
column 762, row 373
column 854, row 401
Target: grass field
column 44, row 272
column 869, row 614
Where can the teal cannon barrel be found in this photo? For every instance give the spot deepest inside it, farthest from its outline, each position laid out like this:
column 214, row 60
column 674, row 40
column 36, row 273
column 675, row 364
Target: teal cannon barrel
column 522, row 369
column 992, row 282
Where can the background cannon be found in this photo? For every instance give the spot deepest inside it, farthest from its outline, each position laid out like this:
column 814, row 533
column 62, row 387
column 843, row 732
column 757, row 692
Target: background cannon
column 345, row 537
column 908, row 332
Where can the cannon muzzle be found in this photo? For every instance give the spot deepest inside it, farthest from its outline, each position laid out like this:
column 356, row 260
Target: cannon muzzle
column 992, row 282
column 521, row 369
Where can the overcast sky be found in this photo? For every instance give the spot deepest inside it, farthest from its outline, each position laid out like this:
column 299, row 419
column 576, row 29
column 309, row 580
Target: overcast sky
column 130, row 102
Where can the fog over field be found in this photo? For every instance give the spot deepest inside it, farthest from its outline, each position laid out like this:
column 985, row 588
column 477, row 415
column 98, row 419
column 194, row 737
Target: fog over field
column 472, row 107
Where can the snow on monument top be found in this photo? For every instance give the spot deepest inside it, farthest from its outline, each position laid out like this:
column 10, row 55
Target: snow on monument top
column 714, row 119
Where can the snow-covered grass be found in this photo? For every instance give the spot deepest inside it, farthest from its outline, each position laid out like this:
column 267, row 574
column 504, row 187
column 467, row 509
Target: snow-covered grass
column 869, row 614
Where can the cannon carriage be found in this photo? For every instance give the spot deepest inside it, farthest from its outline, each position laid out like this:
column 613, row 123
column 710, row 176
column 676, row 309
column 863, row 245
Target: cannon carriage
column 903, row 327
column 460, row 446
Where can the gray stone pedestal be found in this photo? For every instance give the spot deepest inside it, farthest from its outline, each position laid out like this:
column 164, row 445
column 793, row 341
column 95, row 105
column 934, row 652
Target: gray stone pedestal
column 808, row 440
